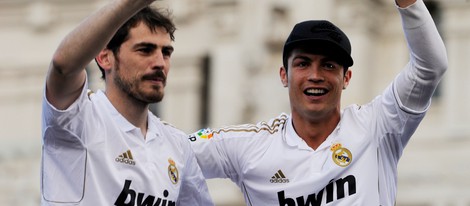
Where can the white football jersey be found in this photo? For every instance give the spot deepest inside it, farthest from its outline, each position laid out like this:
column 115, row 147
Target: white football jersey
column 357, row 163
column 93, row 156
column 272, row 165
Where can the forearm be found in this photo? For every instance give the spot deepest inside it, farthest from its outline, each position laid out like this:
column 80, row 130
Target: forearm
column 415, row 85
column 66, row 74
column 81, row 45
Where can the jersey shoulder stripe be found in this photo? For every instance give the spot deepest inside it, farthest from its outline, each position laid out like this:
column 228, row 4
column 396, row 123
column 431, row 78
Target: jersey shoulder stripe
column 272, row 126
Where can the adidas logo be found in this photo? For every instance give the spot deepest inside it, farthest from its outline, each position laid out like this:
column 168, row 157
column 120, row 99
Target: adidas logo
column 279, row 177
column 126, row 158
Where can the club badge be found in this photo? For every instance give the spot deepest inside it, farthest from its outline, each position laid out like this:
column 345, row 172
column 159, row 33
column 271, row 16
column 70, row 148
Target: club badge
column 173, row 171
column 341, row 156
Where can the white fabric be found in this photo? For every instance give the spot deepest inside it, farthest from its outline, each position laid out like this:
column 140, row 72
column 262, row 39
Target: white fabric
column 415, row 85
column 250, row 156
column 273, row 166
column 93, row 156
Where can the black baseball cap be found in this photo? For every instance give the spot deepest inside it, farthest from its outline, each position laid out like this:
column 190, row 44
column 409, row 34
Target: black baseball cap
column 320, row 36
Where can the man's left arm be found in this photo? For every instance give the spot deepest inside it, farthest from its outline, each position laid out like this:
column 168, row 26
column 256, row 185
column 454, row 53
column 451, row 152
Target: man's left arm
column 415, row 85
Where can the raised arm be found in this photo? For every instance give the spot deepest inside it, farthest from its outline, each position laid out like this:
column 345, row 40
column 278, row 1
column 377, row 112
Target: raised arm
column 416, row 84
column 66, row 75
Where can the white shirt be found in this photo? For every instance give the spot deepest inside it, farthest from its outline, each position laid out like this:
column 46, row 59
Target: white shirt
column 93, row 156
column 356, row 164
column 273, row 166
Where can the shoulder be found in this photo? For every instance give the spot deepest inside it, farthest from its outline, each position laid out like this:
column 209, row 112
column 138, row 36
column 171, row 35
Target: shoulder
column 364, row 109
column 260, row 129
column 359, row 114
column 271, row 126
column 355, row 109
column 167, row 129
column 169, row 134
column 171, row 128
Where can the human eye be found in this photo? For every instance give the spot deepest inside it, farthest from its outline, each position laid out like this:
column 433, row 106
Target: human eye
column 300, row 63
column 145, row 50
column 330, row 65
column 167, row 52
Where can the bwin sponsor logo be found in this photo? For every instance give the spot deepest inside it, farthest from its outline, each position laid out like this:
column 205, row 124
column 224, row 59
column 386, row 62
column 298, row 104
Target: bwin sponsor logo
column 128, row 198
column 316, row 199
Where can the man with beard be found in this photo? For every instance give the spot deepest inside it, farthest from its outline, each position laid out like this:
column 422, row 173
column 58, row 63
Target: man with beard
column 321, row 154
column 108, row 148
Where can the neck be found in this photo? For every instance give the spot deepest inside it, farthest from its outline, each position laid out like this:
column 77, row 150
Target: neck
column 314, row 131
column 136, row 112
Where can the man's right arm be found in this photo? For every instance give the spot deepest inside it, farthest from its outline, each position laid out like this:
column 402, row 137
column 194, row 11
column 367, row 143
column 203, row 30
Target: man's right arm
column 66, row 75
column 211, row 159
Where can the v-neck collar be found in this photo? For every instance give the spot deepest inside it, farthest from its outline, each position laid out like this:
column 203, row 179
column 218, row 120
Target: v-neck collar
column 294, row 140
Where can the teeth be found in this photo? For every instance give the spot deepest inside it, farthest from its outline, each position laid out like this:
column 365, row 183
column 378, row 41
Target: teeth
column 315, row 91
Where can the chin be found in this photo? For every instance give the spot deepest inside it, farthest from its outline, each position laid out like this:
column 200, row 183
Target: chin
column 150, row 97
column 155, row 99
column 154, row 95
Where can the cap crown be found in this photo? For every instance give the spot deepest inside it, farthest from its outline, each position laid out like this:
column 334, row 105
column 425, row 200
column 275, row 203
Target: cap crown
column 323, row 36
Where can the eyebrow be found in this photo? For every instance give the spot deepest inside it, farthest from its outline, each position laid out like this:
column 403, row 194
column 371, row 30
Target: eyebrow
column 153, row 46
column 145, row 44
column 302, row 57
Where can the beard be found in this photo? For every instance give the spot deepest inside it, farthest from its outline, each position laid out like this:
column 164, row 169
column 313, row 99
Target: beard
column 130, row 86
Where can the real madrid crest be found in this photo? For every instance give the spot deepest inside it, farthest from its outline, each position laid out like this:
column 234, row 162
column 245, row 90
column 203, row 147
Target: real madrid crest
column 341, row 156
column 173, row 171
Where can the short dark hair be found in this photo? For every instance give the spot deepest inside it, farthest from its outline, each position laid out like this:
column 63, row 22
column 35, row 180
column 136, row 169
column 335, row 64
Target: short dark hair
column 151, row 17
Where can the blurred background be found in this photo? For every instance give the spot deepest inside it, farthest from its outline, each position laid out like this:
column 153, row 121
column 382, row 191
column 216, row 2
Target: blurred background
column 225, row 70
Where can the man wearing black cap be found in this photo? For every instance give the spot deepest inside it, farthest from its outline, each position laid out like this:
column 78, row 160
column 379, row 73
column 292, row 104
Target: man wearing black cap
column 320, row 154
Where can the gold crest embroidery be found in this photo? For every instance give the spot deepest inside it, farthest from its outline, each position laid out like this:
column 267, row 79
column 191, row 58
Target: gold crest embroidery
column 173, row 171
column 341, row 155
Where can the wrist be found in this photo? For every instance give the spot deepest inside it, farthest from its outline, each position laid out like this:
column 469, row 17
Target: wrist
column 404, row 3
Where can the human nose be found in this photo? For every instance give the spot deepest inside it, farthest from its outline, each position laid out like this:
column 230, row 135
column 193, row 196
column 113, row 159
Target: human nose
column 159, row 60
column 315, row 74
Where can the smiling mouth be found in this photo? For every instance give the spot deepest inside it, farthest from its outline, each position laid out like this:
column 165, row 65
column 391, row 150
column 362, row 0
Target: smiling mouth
column 315, row 92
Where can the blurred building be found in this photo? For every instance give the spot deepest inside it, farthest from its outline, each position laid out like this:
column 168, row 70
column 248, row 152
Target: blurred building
column 225, row 70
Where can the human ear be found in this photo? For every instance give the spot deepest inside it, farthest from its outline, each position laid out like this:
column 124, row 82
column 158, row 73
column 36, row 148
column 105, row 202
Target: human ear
column 283, row 76
column 104, row 59
column 347, row 78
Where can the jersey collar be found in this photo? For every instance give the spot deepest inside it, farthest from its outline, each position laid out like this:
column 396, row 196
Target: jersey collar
column 126, row 126
column 122, row 122
column 293, row 139
column 152, row 130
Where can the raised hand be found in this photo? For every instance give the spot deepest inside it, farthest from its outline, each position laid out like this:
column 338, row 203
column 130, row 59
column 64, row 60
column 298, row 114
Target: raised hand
column 404, row 3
